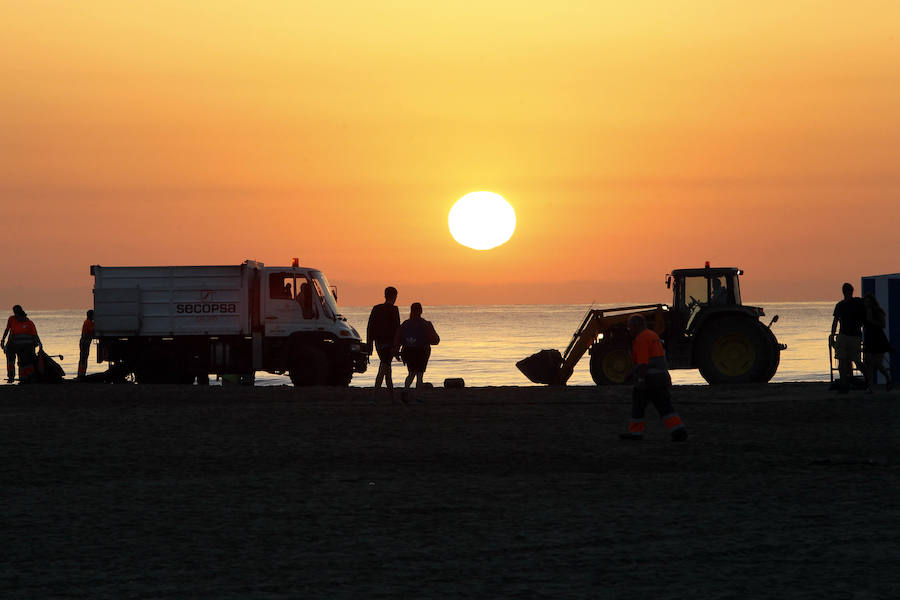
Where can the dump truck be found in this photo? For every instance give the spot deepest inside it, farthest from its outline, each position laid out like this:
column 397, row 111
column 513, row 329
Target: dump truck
column 178, row 324
column 706, row 327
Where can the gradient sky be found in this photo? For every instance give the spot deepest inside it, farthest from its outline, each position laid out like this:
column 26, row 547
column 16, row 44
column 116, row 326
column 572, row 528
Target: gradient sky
column 631, row 138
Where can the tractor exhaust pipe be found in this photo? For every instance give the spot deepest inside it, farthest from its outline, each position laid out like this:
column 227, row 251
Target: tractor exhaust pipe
column 773, row 321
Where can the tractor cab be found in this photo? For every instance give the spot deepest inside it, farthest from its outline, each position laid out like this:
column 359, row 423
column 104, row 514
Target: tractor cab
column 699, row 291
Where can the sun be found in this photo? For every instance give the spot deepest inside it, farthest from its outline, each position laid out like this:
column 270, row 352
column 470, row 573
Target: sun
column 482, row 220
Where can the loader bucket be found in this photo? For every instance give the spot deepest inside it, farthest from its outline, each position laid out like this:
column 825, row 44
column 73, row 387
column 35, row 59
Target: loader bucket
column 542, row 367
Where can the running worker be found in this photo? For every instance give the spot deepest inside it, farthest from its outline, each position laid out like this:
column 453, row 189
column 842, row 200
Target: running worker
column 651, row 383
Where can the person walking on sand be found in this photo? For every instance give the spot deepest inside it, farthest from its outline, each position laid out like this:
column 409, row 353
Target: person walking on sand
column 384, row 321
column 413, row 343
column 876, row 343
column 651, row 383
column 23, row 339
column 84, row 344
column 851, row 314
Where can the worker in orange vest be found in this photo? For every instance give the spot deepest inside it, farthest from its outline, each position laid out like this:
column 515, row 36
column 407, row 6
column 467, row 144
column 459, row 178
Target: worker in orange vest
column 84, row 344
column 8, row 350
column 23, row 340
column 651, row 383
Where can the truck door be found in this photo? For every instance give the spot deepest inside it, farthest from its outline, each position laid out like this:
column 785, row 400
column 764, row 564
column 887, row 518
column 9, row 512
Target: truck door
column 289, row 303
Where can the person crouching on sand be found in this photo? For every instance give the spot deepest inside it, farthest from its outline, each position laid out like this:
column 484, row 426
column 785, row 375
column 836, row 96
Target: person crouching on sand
column 412, row 344
column 651, row 383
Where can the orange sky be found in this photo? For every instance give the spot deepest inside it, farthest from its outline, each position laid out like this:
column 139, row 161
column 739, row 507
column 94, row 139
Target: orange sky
column 631, row 138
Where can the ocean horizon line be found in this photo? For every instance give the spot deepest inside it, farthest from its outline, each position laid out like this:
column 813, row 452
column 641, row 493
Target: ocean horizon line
column 510, row 304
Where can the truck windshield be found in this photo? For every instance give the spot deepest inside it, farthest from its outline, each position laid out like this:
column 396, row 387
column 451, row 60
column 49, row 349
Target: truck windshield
column 323, row 291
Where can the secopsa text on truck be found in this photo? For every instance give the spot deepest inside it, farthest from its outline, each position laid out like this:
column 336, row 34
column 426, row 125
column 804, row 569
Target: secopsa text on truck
column 178, row 324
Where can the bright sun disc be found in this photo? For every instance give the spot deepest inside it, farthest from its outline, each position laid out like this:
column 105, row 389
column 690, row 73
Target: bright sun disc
column 482, row 220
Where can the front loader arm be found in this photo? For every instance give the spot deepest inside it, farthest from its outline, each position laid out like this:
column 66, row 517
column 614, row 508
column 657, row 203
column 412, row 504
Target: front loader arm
column 551, row 367
column 598, row 321
column 582, row 339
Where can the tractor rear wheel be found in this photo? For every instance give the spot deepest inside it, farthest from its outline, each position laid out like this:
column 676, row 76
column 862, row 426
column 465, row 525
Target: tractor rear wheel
column 309, row 366
column 734, row 350
column 610, row 364
column 773, row 350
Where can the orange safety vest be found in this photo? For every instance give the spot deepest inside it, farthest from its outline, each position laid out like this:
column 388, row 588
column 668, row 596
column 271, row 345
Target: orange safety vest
column 87, row 330
column 25, row 327
column 646, row 346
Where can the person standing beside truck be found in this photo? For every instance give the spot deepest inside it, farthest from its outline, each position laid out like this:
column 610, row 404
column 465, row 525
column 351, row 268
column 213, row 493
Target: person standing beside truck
column 651, row 383
column 84, row 344
column 24, row 339
column 384, row 321
column 413, row 343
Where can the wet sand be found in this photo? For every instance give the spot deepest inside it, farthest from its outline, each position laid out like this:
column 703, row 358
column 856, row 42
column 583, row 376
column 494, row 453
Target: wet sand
column 785, row 490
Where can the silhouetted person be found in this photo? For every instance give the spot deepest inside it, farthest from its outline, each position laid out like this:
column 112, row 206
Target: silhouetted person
column 305, row 300
column 718, row 294
column 84, row 344
column 23, row 339
column 413, row 343
column 9, row 350
column 876, row 343
column 651, row 383
column 287, row 292
column 851, row 314
column 384, row 321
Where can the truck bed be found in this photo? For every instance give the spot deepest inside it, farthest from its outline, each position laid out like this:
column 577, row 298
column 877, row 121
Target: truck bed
column 172, row 301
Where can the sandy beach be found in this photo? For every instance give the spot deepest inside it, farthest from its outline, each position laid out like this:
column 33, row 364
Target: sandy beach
column 783, row 490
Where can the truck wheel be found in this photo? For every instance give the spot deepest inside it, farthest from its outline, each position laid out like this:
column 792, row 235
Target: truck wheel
column 309, row 366
column 610, row 364
column 340, row 377
column 732, row 350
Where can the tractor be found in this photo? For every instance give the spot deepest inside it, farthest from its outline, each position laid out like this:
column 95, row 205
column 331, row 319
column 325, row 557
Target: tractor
column 706, row 327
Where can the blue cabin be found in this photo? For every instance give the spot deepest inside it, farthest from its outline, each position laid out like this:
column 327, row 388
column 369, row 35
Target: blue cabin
column 886, row 289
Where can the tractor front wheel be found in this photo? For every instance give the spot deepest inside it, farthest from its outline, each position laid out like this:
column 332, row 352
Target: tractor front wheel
column 610, row 364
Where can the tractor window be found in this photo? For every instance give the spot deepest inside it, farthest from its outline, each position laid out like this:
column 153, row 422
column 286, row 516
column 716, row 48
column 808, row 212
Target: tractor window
column 695, row 291
column 718, row 291
column 736, row 289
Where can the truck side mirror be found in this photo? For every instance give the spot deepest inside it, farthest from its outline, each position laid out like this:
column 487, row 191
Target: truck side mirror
column 668, row 281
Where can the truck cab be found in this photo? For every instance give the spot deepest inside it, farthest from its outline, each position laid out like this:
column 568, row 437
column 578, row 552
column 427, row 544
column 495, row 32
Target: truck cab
column 304, row 331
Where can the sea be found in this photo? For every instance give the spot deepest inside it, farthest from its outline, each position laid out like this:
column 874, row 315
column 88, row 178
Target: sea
column 481, row 344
